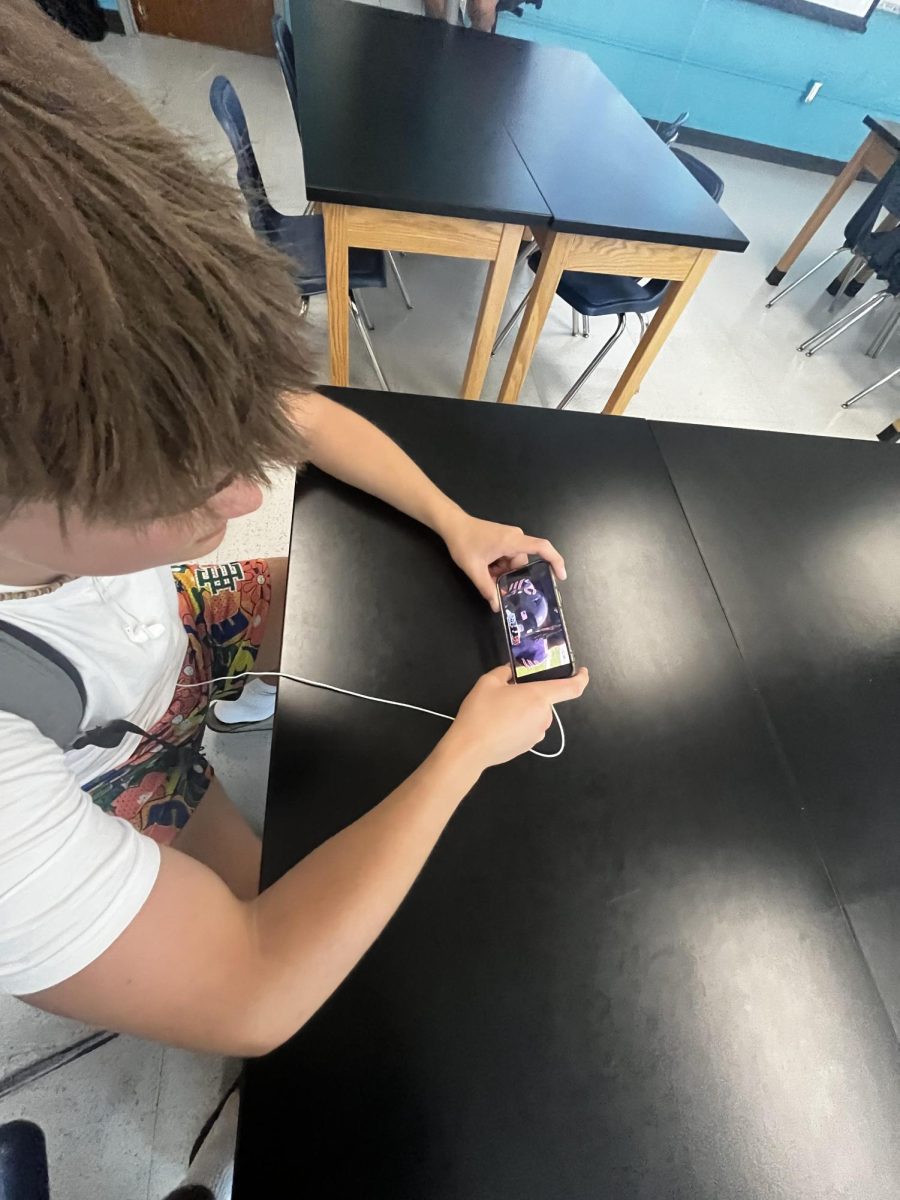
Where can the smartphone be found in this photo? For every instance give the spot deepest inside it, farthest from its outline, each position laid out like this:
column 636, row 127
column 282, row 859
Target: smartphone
column 536, row 636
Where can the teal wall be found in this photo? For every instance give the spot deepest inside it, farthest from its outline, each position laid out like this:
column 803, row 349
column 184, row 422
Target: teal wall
column 741, row 69
column 110, row 4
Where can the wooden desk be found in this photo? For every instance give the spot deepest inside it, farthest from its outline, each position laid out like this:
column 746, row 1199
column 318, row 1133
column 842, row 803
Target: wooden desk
column 422, row 137
column 878, row 151
column 622, row 203
column 403, row 152
column 663, row 965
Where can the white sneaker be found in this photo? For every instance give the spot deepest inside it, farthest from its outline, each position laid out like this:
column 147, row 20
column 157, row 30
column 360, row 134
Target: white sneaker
column 254, row 709
column 211, row 1173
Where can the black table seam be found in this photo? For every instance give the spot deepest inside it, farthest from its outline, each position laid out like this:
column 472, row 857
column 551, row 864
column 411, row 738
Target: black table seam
column 775, row 738
column 531, row 174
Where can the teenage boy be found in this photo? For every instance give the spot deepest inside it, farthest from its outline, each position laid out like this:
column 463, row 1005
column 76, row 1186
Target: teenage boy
column 151, row 376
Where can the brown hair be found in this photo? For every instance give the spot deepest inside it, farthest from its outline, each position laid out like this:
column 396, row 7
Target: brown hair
column 147, row 337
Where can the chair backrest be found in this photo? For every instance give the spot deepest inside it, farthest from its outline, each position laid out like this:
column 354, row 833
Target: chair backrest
column 517, row 7
column 705, row 176
column 881, row 251
column 708, row 180
column 885, row 193
column 23, row 1162
column 284, row 48
column 668, row 131
column 227, row 108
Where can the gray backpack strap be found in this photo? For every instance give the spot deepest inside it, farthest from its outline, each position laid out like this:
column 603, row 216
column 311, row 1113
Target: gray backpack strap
column 41, row 685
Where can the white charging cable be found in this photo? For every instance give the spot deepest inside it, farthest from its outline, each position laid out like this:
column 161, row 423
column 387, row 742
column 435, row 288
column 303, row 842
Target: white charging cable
column 330, row 687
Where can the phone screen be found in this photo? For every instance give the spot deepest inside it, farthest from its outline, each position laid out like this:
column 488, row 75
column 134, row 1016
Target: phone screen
column 535, row 631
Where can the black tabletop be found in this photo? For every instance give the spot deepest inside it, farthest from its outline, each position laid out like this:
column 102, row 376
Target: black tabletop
column 808, row 569
column 403, row 113
column 600, row 167
column 626, row 972
column 393, row 118
column 889, row 130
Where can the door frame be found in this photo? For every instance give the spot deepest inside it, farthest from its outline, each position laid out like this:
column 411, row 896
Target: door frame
column 129, row 21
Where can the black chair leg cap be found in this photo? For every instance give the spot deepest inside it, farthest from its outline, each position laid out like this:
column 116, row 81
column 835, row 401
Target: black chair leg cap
column 834, row 287
column 853, row 288
column 891, row 434
column 775, row 277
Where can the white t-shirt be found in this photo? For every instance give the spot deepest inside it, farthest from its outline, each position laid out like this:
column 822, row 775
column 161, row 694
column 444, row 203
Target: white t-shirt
column 72, row 877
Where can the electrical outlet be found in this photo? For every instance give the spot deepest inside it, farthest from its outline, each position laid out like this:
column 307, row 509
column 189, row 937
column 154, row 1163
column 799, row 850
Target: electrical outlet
column 812, row 91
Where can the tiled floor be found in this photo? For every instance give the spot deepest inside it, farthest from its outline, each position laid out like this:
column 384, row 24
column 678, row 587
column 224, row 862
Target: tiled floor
column 119, row 1122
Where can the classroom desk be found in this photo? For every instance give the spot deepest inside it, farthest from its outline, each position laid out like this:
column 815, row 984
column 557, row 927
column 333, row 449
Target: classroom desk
column 622, row 203
column 392, row 154
column 878, row 150
column 423, row 137
column 663, row 965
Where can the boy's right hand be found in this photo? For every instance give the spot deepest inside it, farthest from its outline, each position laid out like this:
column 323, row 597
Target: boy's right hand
column 500, row 720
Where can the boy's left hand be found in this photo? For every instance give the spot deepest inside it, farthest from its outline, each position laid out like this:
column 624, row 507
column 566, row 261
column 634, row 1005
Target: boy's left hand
column 484, row 551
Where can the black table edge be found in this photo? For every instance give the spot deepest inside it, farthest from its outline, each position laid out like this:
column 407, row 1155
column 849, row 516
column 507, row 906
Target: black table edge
column 883, row 129
column 371, row 200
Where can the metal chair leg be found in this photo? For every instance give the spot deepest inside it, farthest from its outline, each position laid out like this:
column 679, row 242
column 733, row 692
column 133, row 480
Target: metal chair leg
column 585, row 326
column 508, row 327
column 310, row 208
column 586, row 374
column 854, row 277
column 358, row 301
column 575, row 323
column 883, row 336
column 815, row 343
column 367, row 341
column 849, row 273
column 395, row 270
column 871, row 388
column 526, row 252
column 27, row 1074
column 640, row 317
column 811, row 271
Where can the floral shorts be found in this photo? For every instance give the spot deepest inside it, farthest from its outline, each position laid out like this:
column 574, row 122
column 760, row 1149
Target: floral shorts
column 223, row 607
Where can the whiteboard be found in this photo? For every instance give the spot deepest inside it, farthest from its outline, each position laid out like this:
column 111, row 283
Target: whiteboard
column 854, row 8
column 851, row 14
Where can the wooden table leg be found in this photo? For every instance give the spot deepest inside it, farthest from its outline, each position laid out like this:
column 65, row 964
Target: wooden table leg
column 661, row 326
column 493, row 298
column 337, row 269
column 554, row 251
column 821, row 211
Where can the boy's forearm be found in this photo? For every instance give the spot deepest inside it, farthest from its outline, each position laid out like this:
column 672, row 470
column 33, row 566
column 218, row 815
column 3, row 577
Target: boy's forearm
column 348, row 889
column 352, row 449
column 242, row 976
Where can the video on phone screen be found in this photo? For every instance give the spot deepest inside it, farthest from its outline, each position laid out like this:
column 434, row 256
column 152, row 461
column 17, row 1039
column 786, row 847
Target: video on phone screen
column 534, row 622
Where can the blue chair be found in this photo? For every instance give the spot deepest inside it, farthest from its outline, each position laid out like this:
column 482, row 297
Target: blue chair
column 23, row 1162
column 516, row 7
column 858, row 230
column 668, row 131
column 284, row 49
column 881, row 253
column 302, row 238
column 592, row 295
